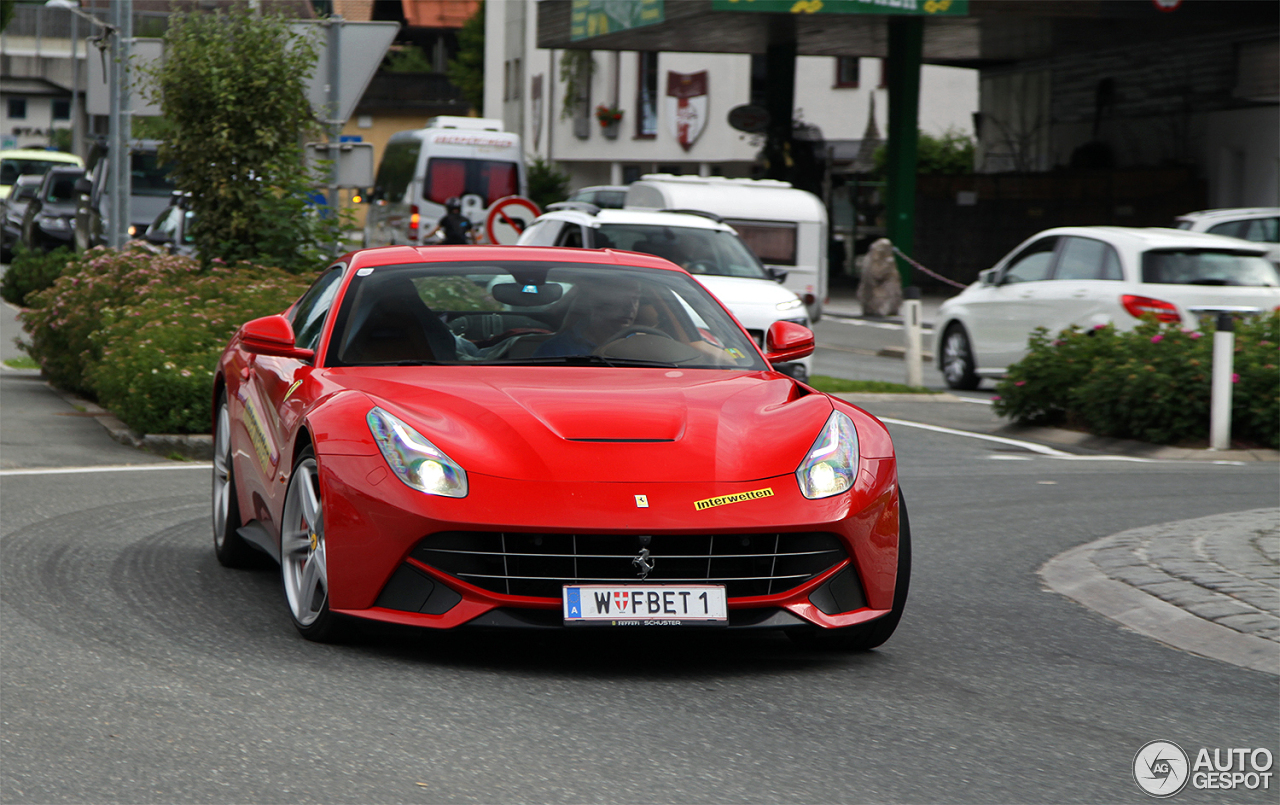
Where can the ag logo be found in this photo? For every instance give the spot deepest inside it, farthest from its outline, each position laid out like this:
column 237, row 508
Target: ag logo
column 1160, row 768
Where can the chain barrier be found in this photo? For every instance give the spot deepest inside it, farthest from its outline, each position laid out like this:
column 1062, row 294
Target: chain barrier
column 933, row 274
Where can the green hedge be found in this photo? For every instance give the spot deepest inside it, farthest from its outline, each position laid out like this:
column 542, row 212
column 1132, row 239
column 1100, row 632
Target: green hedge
column 142, row 333
column 32, row 272
column 1151, row 383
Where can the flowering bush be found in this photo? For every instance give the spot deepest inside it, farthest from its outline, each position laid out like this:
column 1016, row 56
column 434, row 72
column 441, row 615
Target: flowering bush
column 608, row 115
column 1151, row 383
column 158, row 357
column 142, row 332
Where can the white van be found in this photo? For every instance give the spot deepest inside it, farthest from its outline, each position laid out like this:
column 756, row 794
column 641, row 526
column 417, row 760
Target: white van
column 785, row 227
column 470, row 158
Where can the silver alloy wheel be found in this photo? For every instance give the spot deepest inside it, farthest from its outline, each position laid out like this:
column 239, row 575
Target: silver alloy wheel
column 221, row 477
column 955, row 358
column 302, row 553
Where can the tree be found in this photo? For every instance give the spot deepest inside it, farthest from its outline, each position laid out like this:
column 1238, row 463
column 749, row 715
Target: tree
column 467, row 70
column 232, row 90
column 950, row 153
column 547, row 185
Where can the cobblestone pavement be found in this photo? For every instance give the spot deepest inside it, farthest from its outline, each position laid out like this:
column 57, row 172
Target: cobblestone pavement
column 1210, row 585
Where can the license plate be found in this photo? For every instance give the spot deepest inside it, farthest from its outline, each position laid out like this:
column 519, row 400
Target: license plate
column 645, row 605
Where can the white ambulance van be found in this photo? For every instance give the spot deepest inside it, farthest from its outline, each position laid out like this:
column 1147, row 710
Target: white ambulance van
column 786, row 227
column 469, row 158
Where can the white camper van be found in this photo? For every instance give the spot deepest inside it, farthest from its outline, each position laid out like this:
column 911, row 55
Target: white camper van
column 469, row 158
column 785, row 227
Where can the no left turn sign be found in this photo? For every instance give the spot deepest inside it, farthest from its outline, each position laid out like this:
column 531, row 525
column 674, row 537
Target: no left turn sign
column 507, row 218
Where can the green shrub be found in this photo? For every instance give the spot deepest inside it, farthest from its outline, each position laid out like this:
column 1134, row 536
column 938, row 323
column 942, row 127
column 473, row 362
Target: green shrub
column 33, row 271
column 158, row 356
column 1152, row 383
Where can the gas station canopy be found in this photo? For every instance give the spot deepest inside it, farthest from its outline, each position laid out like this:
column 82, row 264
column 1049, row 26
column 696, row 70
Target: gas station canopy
column 966, row 33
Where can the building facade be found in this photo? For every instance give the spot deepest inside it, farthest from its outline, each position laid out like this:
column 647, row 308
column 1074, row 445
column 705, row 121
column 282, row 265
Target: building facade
column 674, row 106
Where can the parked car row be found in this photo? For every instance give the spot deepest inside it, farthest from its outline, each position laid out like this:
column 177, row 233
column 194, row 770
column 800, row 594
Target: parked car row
column 22, row 190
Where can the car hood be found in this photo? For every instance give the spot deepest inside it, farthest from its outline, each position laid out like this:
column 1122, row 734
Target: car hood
column 603, row 425
column 745, row 291
column 144, row 209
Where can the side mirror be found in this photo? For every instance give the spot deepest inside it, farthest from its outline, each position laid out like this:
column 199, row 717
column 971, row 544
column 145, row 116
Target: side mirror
column 83, row 186
column 159, row 238
column 777, row 274
column 272, row 335
column 787, row 341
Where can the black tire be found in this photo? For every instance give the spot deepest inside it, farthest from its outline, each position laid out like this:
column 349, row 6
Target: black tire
column 228, row 546
column 956, row 362
column 303, row 555
column 866, row 636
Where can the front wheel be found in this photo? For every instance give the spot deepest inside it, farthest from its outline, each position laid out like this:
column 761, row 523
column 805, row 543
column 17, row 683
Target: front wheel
column 958, row 366
column 303, row 557
column 228, row 546
column 866, row 636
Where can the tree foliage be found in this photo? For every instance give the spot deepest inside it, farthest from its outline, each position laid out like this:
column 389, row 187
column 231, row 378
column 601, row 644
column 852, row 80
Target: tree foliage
column 950, row 153
column 232, row 89
column 467, row 70
column 547, row 184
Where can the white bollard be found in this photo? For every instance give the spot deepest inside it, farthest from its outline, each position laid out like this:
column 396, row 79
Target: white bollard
column 911, row 315
column 1224, row 348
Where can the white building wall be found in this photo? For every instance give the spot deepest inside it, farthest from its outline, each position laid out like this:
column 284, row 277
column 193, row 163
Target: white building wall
column 948, row 98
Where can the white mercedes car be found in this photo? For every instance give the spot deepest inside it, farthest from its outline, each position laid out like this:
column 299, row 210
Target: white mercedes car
column 1091, row 275
column 700, row 242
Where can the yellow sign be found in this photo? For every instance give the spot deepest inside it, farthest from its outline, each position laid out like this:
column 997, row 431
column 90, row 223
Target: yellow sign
column 725, row 500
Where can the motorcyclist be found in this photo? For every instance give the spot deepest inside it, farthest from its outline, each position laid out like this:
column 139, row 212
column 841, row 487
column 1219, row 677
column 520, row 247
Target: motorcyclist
column 456, row 228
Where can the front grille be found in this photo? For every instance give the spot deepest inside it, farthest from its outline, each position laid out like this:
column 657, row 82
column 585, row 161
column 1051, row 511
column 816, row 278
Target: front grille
column 539, row 564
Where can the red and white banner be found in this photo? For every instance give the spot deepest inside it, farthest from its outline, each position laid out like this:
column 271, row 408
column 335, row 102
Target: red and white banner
column 687, row 105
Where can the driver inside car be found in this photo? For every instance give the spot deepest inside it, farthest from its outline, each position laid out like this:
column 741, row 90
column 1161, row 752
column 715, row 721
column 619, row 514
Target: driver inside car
column 604, row 309
column 607, row 311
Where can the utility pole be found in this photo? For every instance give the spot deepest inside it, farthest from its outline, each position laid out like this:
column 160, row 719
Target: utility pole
column 119, row 174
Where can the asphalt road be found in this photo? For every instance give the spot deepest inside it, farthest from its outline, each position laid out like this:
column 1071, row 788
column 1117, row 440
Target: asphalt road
column 136, row 669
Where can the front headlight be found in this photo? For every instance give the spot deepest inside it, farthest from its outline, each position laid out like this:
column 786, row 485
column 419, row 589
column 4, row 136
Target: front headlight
column 415, row 460
column 832, row 462
column 791, row 304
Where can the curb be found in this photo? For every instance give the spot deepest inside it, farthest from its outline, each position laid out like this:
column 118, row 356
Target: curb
column 1131, row 447
column 194, row 446
column 1075, row 575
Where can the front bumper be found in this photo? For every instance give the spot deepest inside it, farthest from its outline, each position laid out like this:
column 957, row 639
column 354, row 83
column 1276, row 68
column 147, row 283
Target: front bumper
column 376, row 528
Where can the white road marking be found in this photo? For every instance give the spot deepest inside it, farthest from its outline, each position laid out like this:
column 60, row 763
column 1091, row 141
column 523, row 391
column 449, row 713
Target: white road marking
column 1048, row 452
column 184, row 465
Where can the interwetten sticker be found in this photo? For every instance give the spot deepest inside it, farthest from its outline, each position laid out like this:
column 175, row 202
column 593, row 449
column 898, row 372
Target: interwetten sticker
column 725, row 500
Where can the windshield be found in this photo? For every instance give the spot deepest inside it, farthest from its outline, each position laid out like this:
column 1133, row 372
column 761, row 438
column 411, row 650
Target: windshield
column 455, row 177
column 534, row 314
column 11, row 169
column 698, row 251
column 1206, row 267
column 149, row 177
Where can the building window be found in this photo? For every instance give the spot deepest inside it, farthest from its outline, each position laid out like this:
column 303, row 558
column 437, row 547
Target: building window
column 759, row 79
column 61, row 109
column 847, row 71
column 647, row 95
column 516, row 79
column 18, row 108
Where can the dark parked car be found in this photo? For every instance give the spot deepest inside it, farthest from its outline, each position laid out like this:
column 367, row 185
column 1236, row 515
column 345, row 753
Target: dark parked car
column 49, row 220
column 151, row 187
column 22, row 191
